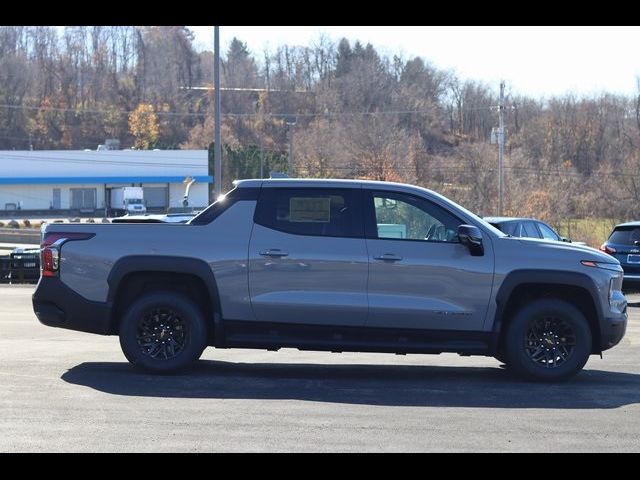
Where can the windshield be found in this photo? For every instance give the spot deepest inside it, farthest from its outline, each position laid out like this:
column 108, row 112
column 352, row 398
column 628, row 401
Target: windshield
column 473, row 216
column 134, row 201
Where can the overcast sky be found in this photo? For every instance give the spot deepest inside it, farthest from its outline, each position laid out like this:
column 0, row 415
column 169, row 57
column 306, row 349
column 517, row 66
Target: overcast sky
column 538, row 61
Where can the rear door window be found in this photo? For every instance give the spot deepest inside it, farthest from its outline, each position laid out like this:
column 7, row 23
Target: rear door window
column 223, row 203
column 311, row 211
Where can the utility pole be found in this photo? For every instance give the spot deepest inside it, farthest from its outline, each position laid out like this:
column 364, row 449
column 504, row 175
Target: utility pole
column 501, row 148
column 291, row 123
column 217, row 146
column 261, row 158
column 290, row 158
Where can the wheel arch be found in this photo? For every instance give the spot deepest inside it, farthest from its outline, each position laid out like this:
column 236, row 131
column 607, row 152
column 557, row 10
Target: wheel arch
column 522, row 286
column 132, row 275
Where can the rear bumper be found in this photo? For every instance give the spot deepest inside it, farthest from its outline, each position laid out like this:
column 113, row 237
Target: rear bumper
column 56, row 305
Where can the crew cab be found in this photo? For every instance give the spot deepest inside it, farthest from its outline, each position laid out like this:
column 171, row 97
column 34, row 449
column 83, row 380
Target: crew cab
column 333, row 265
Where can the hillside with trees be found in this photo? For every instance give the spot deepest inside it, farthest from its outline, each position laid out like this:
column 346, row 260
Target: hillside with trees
column 352, row 112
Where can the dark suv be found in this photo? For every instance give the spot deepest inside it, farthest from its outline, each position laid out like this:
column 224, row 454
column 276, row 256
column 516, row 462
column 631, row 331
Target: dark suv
column 624, row 245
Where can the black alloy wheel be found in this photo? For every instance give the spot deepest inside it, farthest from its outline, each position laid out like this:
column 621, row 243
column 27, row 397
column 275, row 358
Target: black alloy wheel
column 550, row 342
column 163, row 332
column 547, row 339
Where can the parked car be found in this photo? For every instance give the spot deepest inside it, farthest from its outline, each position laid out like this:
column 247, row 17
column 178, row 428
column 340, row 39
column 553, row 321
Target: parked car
column 624, row 245
column 332, row 265
column 527, row 227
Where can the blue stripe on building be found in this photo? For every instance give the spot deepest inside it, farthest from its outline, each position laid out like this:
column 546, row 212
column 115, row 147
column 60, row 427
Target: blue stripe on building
column 80, row 180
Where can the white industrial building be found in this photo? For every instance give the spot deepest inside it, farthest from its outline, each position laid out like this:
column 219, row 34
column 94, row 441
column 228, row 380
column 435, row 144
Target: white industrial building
column 80, row 181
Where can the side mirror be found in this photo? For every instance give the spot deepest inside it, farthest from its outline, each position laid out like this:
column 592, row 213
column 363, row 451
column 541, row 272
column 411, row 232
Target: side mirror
column 471, row 236
column 565, row 239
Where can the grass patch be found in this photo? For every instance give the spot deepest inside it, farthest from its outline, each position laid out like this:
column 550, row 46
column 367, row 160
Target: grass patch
column 592, row 231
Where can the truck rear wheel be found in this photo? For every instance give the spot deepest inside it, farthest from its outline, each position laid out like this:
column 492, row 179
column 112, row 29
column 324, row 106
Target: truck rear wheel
column 163, row 332
column 548, row 340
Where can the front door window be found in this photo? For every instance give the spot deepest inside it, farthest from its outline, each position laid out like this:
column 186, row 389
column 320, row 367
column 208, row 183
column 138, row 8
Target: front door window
column 405, row 217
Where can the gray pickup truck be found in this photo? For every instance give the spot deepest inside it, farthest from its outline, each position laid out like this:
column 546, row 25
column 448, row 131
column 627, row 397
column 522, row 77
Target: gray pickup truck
column 332, row 265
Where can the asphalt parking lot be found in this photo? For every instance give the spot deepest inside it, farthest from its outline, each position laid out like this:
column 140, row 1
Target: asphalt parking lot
column 70, row 391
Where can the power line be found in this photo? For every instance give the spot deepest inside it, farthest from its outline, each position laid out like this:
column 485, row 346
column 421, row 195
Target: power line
column 344, row 114
column 94, row 111
column 437, row 169
column 463, row 169
column 239, row 89
column 282, row 115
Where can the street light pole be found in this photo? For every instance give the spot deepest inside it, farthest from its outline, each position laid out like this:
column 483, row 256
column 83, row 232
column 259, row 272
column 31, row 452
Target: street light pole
column 498, row 136
column 501, row 149
column 217, row 147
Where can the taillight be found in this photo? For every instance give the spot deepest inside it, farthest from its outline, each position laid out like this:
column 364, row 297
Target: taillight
column 50, row 261
column 50, row 250
column 607, row 249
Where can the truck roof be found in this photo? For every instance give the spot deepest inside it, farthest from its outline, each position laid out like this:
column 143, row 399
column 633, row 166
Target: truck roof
column 308, row 182
column 342, row 183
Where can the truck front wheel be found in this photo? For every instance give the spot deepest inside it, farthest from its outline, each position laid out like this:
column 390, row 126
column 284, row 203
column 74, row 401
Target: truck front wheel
column 547, row 340
column 163, row 332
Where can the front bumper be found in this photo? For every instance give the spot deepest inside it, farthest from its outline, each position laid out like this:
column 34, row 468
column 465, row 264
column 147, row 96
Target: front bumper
column 57, row 305
column 612, row 329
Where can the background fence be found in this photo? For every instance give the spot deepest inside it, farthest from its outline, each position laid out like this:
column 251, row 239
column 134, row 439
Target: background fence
column 20, row 268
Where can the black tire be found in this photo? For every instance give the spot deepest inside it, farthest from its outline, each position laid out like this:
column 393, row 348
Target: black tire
column 547, row 340
column 163, row 332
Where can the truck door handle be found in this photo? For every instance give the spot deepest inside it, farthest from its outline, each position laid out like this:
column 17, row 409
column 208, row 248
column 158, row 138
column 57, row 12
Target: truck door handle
column 274, row 252
column 388, row 257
